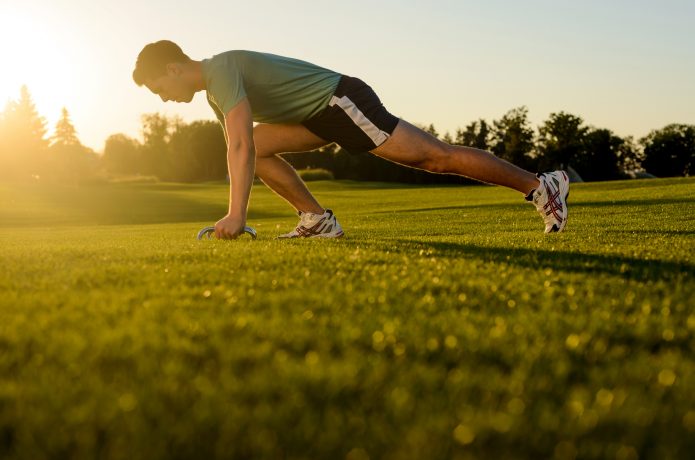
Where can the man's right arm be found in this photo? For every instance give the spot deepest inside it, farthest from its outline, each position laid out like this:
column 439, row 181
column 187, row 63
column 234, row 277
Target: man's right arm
column 241, row 162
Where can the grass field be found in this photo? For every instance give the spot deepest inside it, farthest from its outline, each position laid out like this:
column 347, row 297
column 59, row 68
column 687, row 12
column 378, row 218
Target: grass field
column 445, row 325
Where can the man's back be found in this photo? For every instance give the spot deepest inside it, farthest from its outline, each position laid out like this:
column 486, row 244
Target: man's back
column 279, row 89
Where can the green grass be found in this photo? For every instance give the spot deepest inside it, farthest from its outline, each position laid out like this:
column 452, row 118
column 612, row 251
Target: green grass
column 445, row 325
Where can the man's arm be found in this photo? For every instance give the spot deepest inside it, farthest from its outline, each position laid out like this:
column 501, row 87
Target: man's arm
column 241, row 162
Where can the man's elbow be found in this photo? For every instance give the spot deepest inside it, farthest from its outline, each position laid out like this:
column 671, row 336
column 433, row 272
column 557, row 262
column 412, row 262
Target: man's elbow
column 240, row 145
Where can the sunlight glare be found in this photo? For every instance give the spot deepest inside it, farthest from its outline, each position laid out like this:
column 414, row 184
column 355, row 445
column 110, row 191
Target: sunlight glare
column 37, row 56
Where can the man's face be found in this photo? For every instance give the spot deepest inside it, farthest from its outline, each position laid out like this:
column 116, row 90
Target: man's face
column 171, row 87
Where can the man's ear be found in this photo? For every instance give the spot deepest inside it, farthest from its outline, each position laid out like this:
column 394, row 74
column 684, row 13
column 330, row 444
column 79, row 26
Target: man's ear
column 174, row 68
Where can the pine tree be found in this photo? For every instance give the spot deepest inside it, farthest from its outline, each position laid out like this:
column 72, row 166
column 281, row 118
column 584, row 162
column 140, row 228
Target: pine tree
column 33, row 125
column 432, row 130
column 23, row 140
column 70, row 161
column 65, row 132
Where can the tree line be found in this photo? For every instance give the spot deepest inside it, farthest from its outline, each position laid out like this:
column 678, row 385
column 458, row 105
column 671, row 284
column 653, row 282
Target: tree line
column 171, row 150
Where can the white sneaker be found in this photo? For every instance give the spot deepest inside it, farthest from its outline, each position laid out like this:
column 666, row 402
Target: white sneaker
column 550, row 199
column 316, row 226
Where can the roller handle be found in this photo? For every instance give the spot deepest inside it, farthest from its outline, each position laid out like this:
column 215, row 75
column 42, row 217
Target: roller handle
column 208, row 232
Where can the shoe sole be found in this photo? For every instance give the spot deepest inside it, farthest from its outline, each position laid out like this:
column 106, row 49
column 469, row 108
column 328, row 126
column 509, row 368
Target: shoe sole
column 340, row 235
column 322, row 235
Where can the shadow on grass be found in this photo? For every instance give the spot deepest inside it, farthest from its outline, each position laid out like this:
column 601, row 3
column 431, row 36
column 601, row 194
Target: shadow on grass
column 439, row 208
column 628, row 202
column 637, row 183
column 572, row 204
column 654, row 232
column 121, row 205
column 622, row 266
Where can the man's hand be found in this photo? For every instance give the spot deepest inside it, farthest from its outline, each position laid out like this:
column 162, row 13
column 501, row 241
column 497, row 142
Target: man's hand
column 229, row 227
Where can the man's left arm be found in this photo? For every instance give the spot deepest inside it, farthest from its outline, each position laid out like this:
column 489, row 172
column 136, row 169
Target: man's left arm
column 241, row 163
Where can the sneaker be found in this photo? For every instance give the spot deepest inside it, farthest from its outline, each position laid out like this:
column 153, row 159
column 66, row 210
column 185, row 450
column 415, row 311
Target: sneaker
column 316, row 226
column 550, row 199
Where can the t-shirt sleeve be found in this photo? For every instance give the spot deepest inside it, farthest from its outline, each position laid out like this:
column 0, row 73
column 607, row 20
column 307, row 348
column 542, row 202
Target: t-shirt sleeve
column 227, row 87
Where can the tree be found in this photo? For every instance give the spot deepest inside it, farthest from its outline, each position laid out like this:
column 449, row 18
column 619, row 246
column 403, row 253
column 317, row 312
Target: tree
column 432, row 130
column 65, row 133
column 630, row 157
column 512, row 138
column 476, row 134
column 428, row 129
column 600, row 157
column 156, row 133
column 23, row 140
column 670, row 151
column 69, row 160
column 198, row 152
column 561, row 140
column 121, row 155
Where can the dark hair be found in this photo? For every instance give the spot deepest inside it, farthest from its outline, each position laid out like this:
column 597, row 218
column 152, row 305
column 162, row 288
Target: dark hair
column 153, row 59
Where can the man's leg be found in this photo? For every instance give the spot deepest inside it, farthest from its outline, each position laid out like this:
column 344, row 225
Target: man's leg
column 275, row 172
column 411, row 146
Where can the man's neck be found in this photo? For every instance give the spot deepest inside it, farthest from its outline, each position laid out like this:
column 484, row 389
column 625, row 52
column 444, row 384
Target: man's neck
column 194, row 71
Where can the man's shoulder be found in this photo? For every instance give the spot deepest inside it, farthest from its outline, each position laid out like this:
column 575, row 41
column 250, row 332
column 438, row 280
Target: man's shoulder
column 250, row 57
column 232, row 61
column 224, row 58
column 230, row 56
column 222, row 64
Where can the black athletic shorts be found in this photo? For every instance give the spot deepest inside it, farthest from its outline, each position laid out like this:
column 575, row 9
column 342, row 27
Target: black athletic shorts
column 355, row 118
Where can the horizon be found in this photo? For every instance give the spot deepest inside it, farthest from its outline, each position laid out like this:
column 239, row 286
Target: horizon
column 536, row 55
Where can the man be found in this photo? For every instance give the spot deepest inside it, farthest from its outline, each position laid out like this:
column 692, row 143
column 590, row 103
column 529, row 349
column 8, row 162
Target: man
column 300, row 107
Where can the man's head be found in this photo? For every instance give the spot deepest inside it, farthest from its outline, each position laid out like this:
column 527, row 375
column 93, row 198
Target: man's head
column 164, row 68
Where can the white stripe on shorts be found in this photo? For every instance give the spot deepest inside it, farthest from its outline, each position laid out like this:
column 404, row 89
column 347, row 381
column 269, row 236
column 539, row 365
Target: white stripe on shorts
column 370, row 129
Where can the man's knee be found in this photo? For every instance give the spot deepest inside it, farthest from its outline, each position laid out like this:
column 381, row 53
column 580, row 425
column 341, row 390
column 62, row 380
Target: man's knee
column 262, row 141
column 411, row 146
column 435, row 160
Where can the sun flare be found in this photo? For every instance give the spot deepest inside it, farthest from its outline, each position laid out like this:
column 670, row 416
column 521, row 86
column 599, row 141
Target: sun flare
column 35, row 54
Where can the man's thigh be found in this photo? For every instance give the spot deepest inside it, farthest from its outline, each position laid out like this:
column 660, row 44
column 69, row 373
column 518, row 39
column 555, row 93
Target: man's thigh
column 410, row 145
column 271, row 139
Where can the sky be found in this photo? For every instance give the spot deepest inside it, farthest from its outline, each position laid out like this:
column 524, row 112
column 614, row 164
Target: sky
column 628, row 66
